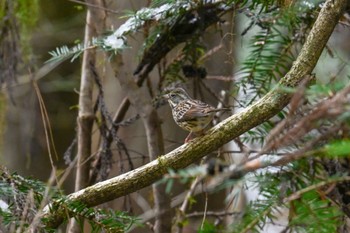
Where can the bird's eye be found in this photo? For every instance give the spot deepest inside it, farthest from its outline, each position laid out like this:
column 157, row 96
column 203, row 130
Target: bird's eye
column 172, row 95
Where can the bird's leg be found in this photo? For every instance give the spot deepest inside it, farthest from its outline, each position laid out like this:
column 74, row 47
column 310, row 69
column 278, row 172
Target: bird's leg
column 188, row 138
column 196, row 134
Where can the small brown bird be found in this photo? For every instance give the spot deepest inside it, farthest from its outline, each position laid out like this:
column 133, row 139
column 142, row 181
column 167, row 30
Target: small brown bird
column 191, row 115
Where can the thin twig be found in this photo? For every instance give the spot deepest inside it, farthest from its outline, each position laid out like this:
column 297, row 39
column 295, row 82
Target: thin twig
column 212, row 214
column 47, row 127
column 95, row 6
column 180, row 215
column 327, row 109
column 205, row 210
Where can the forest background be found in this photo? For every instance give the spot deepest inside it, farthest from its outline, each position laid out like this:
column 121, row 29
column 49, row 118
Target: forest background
column 83, row 114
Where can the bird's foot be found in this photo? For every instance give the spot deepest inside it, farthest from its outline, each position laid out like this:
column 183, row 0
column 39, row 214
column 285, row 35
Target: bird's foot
column 188, row 138
column 193, row 135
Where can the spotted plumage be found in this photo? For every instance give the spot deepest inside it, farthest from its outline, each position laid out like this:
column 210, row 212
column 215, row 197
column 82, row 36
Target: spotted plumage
column 191, row 115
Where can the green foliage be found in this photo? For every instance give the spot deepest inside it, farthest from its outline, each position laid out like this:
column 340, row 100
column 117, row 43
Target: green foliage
column 272, row 51
column 17, row 20
column 318, row 91
column 183, row 175
column 27, row 13
column 208, row 228
column 26, row 198
column 64, row 52
column 260, row 211
column 23, row 197
column 116, row 41
column 297, row 192
column 99, row 219
column 258, row 134
column 160, row 18
column 310, row 213
column 340, row 148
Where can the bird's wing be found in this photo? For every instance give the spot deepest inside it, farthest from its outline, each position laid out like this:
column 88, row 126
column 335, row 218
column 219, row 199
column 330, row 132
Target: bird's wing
column 194, row 109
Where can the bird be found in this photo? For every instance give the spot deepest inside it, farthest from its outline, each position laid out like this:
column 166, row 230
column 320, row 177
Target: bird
column 190, row 114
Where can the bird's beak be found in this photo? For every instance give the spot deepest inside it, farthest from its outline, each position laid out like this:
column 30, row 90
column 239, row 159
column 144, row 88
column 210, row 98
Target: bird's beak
column 166, row 96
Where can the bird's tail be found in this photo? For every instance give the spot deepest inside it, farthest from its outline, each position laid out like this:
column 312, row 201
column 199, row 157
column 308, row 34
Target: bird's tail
column 219, row 110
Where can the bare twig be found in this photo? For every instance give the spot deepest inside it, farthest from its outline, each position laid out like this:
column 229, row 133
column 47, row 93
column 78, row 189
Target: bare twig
column 105, row 9
column 259, row 162
column 205, row 211
column 47, row 127
column 327, row 109
column 34, row 225
column 180, row 214
column 118, row 117
column 212, row 214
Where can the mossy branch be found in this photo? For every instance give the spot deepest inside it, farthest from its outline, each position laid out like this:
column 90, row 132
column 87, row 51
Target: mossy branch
column 268, row 106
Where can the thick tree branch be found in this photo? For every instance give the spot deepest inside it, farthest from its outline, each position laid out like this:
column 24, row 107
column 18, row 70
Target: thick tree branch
column 224, row 132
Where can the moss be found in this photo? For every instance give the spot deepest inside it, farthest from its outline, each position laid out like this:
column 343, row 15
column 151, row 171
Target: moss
column 27, row 14
column 163, row 168
column 20, row 16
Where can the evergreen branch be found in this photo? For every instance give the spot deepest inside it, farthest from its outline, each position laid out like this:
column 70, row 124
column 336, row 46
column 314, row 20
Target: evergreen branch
column 62, row 53
column 294, row 196
column 271, row 53
column 190, row 22
column 257, row 219
column 168, row 15
column 268, row 106
column 95, row 6
column 109, row 220
column 339, row 103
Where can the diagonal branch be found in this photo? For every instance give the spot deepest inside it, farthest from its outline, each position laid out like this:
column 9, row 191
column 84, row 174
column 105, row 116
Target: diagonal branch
column 232, row 127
